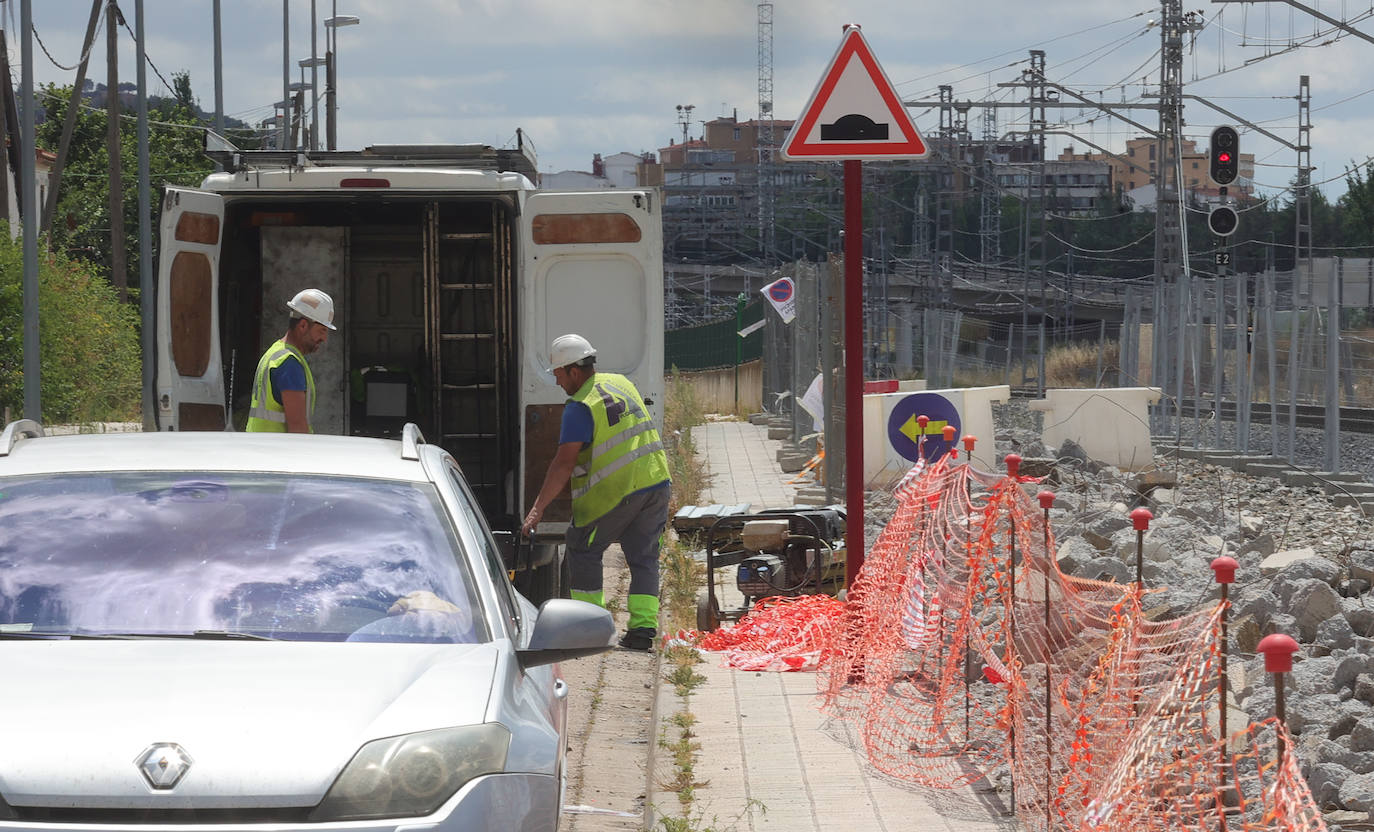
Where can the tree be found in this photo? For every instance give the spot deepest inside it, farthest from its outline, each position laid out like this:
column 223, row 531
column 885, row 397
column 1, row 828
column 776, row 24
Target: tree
column 81, row 223
column 88, row 349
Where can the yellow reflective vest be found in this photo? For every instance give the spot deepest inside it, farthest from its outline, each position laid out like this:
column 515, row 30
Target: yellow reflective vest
column 266, row 413
column 625, row 454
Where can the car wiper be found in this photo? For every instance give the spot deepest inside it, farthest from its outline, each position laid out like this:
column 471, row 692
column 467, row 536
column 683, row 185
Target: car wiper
column 210, row 635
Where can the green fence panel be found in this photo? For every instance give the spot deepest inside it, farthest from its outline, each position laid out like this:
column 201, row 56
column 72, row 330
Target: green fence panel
column 713, row 345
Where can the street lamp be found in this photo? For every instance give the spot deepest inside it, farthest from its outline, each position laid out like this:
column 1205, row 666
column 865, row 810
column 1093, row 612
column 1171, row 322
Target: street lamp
column 296, row 120
column 314, row 63
column 331, row 75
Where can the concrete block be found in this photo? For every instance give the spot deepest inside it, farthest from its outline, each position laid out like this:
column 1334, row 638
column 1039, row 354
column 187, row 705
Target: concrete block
column 758, row 418
column 884, row 464
column 1194, row 453
column 1338, row 487
column 792, row 463
column 1353, row 499
column 1266, row 469
column 1297, row 478
column 779, row 433
column 1221, row 459
column 1110, row 424
column 1240, row 462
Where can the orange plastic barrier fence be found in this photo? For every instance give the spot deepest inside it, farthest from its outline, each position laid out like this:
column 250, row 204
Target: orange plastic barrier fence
column 962, row 652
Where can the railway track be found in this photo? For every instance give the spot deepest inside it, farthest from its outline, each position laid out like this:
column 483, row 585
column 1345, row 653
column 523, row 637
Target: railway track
column 1353, row 419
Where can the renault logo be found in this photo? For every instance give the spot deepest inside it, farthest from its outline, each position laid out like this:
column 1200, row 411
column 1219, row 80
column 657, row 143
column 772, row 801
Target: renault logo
column 164, row 764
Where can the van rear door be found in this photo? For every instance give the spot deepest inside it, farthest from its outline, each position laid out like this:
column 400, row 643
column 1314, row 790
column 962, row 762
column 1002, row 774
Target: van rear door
column 190, row 375
column 592, row 263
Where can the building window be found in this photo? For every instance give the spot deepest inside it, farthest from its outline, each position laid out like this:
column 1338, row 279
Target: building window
column 1130, row 151
column 737, row 135
column 1133, row 185
column 1152, row 151
column 1195, row 166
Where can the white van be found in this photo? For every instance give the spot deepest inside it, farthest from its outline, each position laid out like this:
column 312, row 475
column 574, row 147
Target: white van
column 451, row 273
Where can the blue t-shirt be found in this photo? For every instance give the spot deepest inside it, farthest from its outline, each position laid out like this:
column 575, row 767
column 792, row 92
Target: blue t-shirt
column 290, row 375
column 577, row 424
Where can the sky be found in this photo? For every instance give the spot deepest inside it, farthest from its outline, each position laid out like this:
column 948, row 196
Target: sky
column 603, row 76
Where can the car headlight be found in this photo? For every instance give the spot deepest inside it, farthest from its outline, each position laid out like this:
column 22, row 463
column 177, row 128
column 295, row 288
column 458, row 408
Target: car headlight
column 413, row 774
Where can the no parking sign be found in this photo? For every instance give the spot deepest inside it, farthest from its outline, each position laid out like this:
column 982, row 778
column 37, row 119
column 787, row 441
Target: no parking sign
column 782, row 293
column 904, row 431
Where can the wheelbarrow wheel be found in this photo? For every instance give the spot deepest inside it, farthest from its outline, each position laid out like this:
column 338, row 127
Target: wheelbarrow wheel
column 707, row 618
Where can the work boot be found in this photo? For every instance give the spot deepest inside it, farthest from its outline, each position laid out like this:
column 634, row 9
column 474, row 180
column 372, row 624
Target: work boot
column 638, row 638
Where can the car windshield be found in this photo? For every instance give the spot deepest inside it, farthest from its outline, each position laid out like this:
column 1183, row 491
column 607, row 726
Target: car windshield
column 231, row 555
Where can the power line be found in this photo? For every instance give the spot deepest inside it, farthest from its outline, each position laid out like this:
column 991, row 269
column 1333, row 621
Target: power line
column 99, row 25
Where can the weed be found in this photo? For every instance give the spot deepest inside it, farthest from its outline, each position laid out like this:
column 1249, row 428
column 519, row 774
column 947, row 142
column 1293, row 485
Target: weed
column 683, row 679
column 699, row 823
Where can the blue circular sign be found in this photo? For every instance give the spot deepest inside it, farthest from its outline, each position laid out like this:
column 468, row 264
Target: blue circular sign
column 781, row 291
column 906, row 435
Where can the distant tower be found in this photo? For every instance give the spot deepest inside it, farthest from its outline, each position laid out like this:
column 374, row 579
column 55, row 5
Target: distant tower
column 763, row 143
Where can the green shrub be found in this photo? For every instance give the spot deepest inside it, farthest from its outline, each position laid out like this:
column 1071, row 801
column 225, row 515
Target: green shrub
column 89, row 353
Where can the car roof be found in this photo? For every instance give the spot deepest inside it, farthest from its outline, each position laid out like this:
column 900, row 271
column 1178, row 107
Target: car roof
column 352, row 456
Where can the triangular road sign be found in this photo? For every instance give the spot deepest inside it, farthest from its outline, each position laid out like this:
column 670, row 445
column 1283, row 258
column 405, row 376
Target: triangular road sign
column 854, row 112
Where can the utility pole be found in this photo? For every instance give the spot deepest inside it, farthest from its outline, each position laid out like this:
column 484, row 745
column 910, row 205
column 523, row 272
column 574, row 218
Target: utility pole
column 69, row 123
column 764, row 142
column 147, row 292
column 219, row 70
column 1169, row 248
column 28, row 198
column 1035, row 252
column 119, row 269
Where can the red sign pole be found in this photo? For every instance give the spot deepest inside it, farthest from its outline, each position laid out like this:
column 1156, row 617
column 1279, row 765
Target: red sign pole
column 853, row 368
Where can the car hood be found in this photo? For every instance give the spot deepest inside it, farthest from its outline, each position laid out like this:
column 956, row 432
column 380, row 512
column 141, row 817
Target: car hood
column 264, row 723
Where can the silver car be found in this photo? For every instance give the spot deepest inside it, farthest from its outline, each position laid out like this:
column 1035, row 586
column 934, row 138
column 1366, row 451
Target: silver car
column 265, row 630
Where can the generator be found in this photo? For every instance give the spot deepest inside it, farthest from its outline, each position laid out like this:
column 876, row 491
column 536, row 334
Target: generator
column 787, row 552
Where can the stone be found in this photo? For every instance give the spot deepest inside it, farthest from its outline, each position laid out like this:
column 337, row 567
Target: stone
column 1072, row 450
column 1362, row 564
column 1334, row 819
column 1317, row 567
column 1163, row 496
column 1361, row 617
column 1357, row 793
column 1245, row 633
column 1352, row 587
column 1362, row 735
column 1280, row 622
column 1250, row 524
column 1335, row 633
column 1263, row 545
column 1100, row 542
column 1311, row 714
column 1325, row 779
column 1312, row 602
column 1351, row 666
column 1311, row 678
column 1278, row 561
column 1107, row 569
column 1364, row 687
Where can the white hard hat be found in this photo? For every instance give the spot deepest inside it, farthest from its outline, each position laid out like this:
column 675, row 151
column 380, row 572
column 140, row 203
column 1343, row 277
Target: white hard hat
column 570, row 349
column 314, row 305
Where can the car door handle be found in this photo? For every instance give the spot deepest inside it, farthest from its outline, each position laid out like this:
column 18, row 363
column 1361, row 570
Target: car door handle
column 560, row 689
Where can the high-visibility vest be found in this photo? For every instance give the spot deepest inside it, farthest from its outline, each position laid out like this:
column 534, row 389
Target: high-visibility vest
column 625, row 454
column 266, row 413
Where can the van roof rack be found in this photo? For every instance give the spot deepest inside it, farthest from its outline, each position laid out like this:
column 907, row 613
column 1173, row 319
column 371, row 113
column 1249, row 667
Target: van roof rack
column 520, row 159
column 16, row 430
column 411, row 440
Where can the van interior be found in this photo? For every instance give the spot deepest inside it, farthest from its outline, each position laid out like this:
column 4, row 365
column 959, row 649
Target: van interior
column 425, row 309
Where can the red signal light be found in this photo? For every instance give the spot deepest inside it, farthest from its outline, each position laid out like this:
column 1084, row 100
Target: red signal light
column 1223, row 156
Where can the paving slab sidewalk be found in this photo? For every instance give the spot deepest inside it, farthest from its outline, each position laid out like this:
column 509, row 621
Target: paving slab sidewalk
column 769, row 759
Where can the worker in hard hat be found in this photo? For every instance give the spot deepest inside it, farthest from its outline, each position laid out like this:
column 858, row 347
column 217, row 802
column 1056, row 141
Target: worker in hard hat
column 610, row 450
column 283, row 388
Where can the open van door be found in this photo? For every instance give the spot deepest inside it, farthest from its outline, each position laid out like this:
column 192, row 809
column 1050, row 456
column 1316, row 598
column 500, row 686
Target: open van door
column 190, row 374
column 592, row 263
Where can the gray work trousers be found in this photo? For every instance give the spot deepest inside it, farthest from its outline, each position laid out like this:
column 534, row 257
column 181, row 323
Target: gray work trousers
column 637, row 524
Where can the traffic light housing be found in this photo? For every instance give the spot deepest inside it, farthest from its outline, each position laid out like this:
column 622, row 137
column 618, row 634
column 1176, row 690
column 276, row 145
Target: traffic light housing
column 1224, row 162
column 1223, row 220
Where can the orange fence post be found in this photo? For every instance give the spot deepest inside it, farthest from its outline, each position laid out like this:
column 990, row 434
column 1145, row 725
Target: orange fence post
column 1278, row 650
column 1140, row 519
column 1046, row 502
column 969, row 441
column 1013, row 462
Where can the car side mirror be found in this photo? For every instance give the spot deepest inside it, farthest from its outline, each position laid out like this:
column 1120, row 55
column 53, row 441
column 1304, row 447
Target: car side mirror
column 567, row 629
